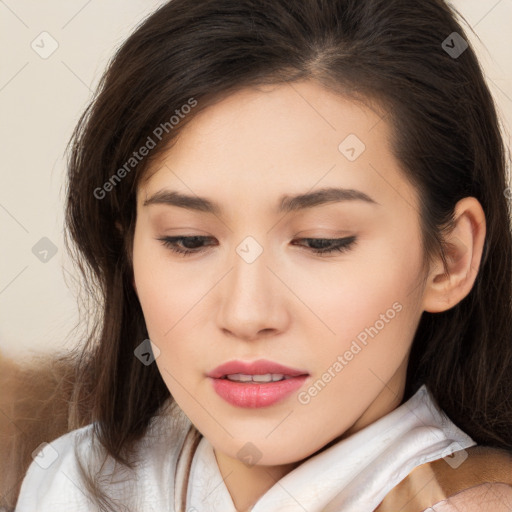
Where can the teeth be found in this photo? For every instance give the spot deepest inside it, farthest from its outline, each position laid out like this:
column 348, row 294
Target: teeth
column 268, row 377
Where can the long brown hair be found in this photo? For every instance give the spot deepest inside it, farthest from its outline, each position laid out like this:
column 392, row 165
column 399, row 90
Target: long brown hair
column 446, row 137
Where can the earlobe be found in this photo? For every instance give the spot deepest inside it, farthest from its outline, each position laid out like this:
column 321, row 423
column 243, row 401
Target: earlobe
column 445, row 288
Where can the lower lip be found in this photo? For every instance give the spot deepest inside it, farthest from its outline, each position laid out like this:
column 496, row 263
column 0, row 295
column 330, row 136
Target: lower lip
column 253, row 395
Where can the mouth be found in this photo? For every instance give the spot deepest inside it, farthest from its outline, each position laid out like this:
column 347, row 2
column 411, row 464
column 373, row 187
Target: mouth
column 255, row 384
column 261, row 370
column 267, row 377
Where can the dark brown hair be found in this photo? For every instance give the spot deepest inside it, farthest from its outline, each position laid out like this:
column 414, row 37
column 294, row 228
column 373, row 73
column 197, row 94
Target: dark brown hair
column 446, row 137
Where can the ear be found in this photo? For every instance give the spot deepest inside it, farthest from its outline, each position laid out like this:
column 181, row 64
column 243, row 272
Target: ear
column 445, row 289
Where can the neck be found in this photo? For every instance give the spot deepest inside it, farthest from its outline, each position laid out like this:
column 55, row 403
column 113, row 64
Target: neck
column 246, row 484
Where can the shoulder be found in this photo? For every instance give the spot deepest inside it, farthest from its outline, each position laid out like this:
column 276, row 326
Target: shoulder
column 476, row 479
column 55, row 478
column 487, row 497
column 52, row 479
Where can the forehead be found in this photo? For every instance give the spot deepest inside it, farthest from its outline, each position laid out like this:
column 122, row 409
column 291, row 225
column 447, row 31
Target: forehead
column 279, row 140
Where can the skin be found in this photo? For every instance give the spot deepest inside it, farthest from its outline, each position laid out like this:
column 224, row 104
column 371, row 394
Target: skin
column 290, row 305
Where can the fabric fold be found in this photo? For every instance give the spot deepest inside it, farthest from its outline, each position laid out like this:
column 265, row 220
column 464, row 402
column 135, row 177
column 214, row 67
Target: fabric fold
column 353, row 475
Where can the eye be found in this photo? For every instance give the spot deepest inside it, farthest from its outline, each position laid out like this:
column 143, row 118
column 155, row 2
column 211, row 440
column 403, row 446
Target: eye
column 330, row 245
column 194, row 244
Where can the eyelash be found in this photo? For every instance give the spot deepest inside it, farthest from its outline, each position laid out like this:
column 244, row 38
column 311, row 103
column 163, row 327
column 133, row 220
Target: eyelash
column 342, row 244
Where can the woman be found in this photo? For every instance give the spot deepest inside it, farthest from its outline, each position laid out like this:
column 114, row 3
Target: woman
column 296, row 214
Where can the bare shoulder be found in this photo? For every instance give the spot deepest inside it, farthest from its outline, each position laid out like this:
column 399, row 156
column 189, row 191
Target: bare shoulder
column 488, row 497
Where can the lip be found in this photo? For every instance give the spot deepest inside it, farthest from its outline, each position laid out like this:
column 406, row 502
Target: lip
column 259, row 367
column 252, row 394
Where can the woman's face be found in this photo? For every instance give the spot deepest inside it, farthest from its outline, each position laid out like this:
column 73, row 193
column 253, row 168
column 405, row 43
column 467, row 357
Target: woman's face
column 256, row 289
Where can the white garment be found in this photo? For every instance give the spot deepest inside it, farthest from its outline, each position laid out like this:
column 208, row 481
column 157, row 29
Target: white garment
column 353, row 475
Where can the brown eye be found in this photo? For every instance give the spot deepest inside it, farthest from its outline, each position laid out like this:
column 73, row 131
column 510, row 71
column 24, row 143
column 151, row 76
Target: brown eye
column 330, row 245
column 190, row 244
column 195, row 244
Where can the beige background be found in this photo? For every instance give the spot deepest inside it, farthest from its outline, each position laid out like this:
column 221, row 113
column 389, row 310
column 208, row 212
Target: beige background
column 40, row 102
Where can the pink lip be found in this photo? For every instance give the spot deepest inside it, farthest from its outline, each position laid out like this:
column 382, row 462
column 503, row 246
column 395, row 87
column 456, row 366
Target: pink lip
column 259, row 367
column 251, row 394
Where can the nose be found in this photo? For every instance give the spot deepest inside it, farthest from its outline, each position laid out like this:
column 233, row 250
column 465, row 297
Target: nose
column 253, row 301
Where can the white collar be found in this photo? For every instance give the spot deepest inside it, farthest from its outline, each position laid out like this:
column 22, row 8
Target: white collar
column 352, row 475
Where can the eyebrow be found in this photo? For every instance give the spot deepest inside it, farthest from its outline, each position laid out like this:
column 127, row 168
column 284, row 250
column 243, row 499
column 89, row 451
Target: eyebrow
column 286, row 203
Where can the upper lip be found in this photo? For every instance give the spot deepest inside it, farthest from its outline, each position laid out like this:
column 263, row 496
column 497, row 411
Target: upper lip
column 259, row 367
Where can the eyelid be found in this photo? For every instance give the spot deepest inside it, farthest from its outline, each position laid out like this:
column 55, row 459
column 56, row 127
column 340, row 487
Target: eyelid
column 338, row 245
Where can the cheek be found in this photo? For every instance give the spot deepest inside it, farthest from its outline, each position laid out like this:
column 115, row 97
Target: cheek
column 351, row 295
column 166, row 321
column 170, row 299
column 369, row 316
column 164, row 292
